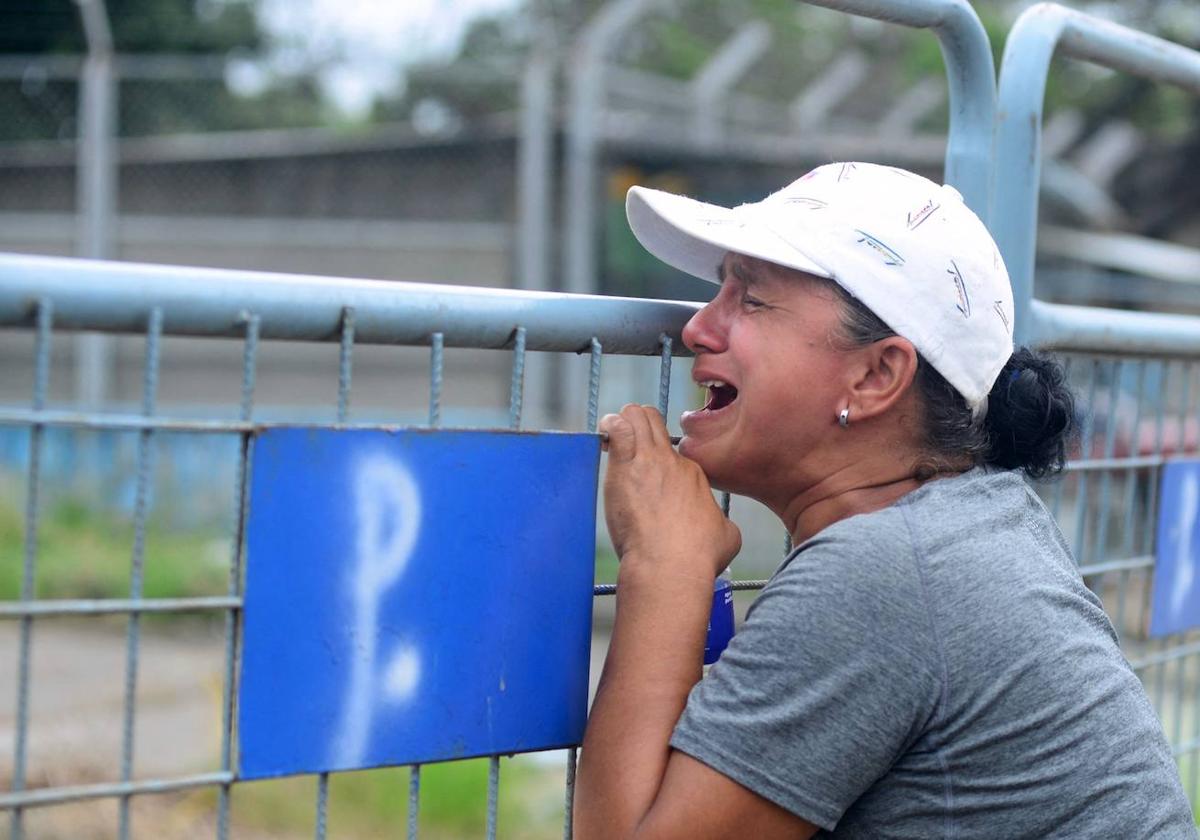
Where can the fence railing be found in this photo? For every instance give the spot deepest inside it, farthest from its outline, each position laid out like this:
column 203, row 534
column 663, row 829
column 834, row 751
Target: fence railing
column 50, row 296
column 1041, row 32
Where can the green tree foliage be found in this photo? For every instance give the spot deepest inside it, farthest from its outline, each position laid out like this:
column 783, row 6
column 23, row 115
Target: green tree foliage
column 678, row 39
column 138, row 26
column 675, row 42
column 43, row 106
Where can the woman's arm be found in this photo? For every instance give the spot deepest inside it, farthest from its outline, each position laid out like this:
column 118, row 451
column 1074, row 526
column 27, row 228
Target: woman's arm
column 673, row 540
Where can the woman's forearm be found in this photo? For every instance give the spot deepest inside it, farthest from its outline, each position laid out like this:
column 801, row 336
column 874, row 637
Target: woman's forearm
column 653, row 661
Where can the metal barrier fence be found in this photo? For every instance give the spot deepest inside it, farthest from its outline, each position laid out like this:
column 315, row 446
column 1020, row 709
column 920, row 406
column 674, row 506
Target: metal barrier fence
column 1137, row 413
column 1135, row 373
column 50, row 296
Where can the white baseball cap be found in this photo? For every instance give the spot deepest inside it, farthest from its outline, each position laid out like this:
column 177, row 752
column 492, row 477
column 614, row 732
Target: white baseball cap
column 911, row 251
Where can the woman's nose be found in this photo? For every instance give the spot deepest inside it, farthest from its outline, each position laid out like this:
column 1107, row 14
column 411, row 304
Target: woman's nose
column 704, row 331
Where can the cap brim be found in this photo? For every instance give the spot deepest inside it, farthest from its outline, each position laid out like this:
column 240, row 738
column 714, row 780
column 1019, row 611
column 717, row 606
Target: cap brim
column 694, row 237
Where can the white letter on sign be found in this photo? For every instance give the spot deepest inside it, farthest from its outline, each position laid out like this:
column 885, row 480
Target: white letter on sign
column 387, row 508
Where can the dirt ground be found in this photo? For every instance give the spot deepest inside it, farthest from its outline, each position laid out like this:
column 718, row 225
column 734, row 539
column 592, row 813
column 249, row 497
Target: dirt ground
column 76, row 704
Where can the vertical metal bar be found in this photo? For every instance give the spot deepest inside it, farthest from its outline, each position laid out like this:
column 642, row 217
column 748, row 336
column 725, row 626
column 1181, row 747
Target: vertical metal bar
column 345, row 364
column 435, row 379
column 1146, row 542
column 726, row 501
column 1187, row 407
column 1181, row 666
column 345, row 375
column 414, row 799
column 141, row 502
column 1193, row 756
column 1185, row 411
column 1081, row 496
column 436, row 364
column 589, row 62
column 322, row 805
column 1161, row 671
column 516, row 396
column 593, row 406
column 535, row 164
column 569, row 820
column 593, row 412
column 1130, row 501
column 1060, row 486
column 1193, row 769
column 41, row 380
column 493, row 794
column 96, row 188
column 1185, row 401
column 1100, row 545
column 535, row 182
column 664, row 375
column 233, row 616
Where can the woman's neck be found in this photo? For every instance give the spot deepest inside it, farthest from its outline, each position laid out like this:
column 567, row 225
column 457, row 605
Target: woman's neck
column 847, row 493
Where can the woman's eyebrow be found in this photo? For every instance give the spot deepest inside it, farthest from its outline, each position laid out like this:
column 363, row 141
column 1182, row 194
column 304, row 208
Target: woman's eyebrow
column 746, row 274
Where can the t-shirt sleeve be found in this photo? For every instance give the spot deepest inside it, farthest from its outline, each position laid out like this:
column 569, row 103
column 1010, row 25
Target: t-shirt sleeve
column 833, row 675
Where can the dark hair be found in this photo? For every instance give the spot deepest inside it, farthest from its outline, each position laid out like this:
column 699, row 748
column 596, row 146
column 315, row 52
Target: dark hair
column 1030, row 413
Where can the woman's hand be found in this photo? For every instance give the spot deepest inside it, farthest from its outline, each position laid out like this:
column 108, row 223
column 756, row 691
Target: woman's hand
column 659, row 505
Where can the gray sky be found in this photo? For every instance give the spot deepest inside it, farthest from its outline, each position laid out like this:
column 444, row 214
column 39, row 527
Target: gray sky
column 375, row 36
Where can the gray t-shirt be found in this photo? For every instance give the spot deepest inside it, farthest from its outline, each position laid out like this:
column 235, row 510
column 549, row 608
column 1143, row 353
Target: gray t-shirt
column 938, row 669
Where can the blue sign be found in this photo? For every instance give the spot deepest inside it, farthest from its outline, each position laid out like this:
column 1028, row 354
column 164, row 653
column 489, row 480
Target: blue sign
column 1175, row 604
column 414, row 596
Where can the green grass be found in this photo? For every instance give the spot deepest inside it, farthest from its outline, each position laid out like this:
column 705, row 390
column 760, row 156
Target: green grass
column 83, row 552
column 374, row 803
column 606, row 565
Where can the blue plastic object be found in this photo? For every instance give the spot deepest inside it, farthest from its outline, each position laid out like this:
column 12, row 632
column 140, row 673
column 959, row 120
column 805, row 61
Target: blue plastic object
column 414, row 596
column 720, row 620
column 1175, row 602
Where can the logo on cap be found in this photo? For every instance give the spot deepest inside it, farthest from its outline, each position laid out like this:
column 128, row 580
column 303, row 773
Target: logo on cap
column 964, row 302
column 890, row 257
column 998, row 306
column 807, row 201
column 915, row 219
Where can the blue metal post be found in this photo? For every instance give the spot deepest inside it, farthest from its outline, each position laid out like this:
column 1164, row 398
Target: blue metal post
column 1037, row 35
column 971, row 74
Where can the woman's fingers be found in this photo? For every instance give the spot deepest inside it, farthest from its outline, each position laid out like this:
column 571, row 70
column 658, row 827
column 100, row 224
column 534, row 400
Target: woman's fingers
column 635, row 415
column 659, row 505
column 622, row 440
column 648, row 425
column 658, row 426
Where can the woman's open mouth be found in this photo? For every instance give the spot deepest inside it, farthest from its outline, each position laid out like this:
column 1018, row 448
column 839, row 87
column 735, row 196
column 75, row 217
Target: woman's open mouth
column 720, row 394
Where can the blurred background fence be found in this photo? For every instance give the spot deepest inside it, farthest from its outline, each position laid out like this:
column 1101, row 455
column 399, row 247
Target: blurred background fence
column 207, row 134
column 216, row 134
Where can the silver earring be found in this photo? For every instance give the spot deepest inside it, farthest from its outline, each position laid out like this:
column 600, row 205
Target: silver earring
column 844, row 418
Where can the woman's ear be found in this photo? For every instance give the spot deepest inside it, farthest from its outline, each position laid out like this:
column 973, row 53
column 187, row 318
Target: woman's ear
column 888, row 368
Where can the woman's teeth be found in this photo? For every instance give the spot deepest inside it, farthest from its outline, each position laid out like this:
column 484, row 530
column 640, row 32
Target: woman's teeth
column 720, row 394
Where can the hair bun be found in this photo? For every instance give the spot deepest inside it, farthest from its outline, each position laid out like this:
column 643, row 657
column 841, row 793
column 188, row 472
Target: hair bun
column 1031, row 415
